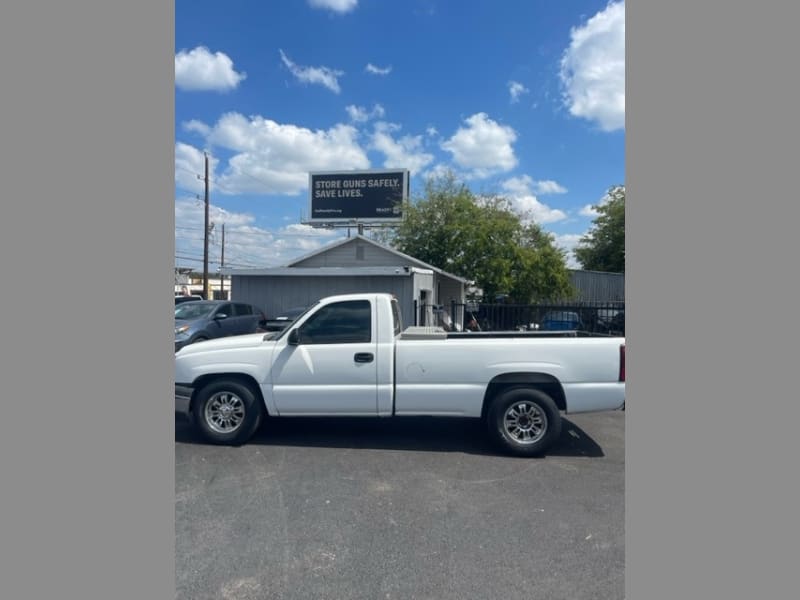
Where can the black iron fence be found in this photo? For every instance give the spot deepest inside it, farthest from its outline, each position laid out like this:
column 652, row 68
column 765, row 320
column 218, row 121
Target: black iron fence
column 595, row 317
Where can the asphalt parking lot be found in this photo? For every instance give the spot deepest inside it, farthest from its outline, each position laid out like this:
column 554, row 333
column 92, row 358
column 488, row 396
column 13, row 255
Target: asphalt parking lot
column 395, row 509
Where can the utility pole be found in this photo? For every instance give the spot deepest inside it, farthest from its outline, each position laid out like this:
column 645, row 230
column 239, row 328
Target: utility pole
column 222, row 266
column 205, row 237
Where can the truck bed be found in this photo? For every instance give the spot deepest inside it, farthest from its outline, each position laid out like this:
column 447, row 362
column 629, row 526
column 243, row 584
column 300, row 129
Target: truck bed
column 437, row 333
column 523, row 334
column 448, row 374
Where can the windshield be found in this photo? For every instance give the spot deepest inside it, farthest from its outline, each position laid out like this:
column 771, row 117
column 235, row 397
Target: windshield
column 193, row 310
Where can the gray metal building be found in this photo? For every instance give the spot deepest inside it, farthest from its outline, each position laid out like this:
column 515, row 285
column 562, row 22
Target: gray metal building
column 597, row 286
column 352, row 265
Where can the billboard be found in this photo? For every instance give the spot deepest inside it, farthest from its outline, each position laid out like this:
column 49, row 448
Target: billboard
column 357, row 196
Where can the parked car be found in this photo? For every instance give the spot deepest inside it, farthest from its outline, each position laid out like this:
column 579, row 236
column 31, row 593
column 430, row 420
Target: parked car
column 610, row 321
column 616, row 325
column 206, row 319
column 559, row 320
column 181, row 299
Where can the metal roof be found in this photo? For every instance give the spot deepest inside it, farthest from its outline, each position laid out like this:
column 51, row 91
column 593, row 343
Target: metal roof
column 290, row 270
column 324, row 272
column 397, row 253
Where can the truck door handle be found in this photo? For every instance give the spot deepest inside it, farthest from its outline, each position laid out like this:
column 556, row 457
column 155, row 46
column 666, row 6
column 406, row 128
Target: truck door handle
column 364, row 357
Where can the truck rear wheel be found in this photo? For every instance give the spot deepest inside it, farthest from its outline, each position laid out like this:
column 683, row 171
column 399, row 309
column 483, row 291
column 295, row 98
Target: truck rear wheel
column 524, row 421
column 227, row 412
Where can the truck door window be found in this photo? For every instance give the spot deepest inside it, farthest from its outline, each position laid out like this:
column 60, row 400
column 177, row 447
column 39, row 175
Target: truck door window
column 339, row 323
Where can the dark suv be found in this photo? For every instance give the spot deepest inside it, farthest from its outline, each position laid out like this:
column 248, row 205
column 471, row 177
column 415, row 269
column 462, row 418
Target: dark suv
column 207, row 319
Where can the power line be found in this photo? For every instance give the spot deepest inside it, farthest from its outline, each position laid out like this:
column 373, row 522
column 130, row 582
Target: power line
column 187, row 253
column 253, row 177
column 248, row 256
column 190, row 192
column 262, row 232
column 192, row 171
column 235, row 249
column 227, row 264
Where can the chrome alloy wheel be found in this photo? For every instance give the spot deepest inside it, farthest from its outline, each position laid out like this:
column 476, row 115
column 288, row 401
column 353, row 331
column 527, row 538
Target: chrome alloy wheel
column 525, row 422
column 224, row 412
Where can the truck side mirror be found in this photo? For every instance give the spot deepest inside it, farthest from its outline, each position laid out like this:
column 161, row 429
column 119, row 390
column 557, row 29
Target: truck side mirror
column 294, row 338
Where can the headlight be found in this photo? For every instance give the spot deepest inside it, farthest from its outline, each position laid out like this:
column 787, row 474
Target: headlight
column 181, row 329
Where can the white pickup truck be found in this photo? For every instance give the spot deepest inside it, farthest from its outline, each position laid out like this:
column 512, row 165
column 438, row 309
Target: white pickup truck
column 349, row 356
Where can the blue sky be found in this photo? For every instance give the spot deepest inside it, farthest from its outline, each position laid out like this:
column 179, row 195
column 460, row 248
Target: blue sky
column 520, row 98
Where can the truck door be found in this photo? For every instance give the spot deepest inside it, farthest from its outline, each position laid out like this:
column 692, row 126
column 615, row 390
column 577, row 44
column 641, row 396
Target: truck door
column 333, row 367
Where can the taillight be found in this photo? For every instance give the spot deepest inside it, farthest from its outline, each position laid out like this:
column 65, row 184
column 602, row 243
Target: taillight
column 622, row 362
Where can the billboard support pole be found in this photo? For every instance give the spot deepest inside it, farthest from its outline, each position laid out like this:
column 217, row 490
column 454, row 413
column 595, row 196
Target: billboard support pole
column 360, row 229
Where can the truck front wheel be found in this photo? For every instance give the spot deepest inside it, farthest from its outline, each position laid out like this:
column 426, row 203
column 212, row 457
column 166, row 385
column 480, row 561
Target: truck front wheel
column 227, row 412
column 524, row 421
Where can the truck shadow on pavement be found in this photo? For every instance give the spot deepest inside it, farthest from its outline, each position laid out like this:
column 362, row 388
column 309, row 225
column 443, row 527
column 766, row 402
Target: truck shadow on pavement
column 427, row 434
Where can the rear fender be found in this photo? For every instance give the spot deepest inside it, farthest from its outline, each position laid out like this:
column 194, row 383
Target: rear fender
column 540, row 381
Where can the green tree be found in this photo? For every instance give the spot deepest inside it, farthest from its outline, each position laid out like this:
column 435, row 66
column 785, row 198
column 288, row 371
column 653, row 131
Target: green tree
column 484, row 240
column 603, row 247
column 542, row 274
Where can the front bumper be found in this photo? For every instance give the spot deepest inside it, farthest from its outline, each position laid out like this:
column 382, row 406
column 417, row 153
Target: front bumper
column 183, row 398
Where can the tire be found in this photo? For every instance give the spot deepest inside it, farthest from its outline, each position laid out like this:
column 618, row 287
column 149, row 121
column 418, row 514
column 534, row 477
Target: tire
column 227, row 411
column 524, row 421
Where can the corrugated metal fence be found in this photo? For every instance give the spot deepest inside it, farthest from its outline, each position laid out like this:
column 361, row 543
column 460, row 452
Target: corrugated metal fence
column 595, row 286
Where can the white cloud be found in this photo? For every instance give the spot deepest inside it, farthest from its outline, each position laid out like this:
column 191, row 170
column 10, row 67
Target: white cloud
column 189, row 221
column 516, row 89
column 189, row 163
column 483, row 146
column 406, row 152
column 593, row 69
column 441, row 170
column 590, row 211
column 297, row 239
column 196, row 126
column 246, row 244
column 548, row 186
column 519, row 192
column 370, row 68
column 294, row 241
column 568, row 242
column 199, row 70
column 526, row 184
column 359, row 114
column 432, row 131
column 323, row 76
column 339, row 6
column 275, row 158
